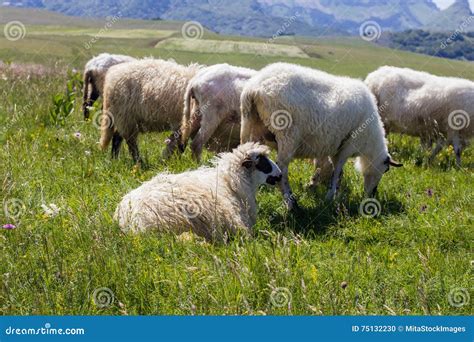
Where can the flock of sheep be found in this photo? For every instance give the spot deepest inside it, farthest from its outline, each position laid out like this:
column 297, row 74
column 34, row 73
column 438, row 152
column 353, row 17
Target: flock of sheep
column 302, row 112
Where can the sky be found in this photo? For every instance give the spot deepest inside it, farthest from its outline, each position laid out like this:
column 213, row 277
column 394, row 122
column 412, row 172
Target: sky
column 445, row 3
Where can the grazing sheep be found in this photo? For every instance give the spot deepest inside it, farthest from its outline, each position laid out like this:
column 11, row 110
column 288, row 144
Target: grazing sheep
column 311, row 114
column 426, row 106
column 143, row 96
column 210, row 201
column 94, row 76
column 216, row 111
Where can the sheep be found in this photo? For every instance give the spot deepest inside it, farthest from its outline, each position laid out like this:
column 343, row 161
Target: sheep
column 94, row 76
column 143, row 96
column 426, row 106
column 211, row 201
column 306, row 113
column 215, row 91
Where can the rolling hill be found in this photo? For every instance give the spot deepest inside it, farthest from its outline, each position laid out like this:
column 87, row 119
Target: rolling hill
column 265, row 18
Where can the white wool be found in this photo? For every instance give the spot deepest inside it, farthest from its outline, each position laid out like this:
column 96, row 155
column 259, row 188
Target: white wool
column 105, row 60
column 209, row 201
column 215, row 116
column 94, row 77
column 419, row 104
column 144, row 96
column 319, row 113
column 101, row 63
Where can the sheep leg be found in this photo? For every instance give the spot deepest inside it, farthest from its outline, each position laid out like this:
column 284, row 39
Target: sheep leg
column 339, row 162
column 457, row 148
column 171, row 143
column 116, row 143
column 439, row 146
column 426, row 142
column 284, row 157
column 195, row 124
column 323, row 171
column 205, row 132
column 133, row 149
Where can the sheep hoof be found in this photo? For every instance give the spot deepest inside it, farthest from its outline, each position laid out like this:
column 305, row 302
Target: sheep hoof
column 291, row 203
column 330, row 196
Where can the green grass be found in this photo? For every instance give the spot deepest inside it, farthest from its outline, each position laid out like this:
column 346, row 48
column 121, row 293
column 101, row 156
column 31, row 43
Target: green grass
column 405, row 261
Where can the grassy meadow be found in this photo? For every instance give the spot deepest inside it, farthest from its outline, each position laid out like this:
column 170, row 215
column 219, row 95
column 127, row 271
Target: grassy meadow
column 415, row 258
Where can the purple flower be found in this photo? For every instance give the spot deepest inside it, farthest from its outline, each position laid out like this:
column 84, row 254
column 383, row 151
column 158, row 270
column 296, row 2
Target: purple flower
column 423, row 208
column 9, row 226
column 78, row 135
column 429, row 192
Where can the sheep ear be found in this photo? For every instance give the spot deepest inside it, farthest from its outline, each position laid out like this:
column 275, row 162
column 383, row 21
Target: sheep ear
column 247, row 163
column 394, row 163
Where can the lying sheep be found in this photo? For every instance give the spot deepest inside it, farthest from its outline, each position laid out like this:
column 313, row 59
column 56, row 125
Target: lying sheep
column 94, row 76
column 311, row 114
column 143, row 96
column 210, row 201
column 423, row 105
column 215, row 111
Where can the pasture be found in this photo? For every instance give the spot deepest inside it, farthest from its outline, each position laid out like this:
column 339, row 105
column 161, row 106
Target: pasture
column 414, row 258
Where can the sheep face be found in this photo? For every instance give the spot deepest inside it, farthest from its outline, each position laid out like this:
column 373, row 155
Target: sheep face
column 262, row 168
column 373, row 173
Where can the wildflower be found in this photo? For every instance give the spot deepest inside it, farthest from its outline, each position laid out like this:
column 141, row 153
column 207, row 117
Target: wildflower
column 50, row 211
column 78, row 135
column 429, row 192
column 88, row 153
column 9, row 226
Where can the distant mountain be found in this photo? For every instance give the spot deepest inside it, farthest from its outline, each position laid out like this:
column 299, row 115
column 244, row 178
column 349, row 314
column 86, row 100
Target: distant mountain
column 276, row 17
column 458, row 16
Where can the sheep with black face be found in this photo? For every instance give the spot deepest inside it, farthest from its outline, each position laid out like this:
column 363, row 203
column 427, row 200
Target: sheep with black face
column 210, row 201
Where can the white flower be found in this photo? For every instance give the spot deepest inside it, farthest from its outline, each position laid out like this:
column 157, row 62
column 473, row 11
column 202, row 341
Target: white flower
column 52, row 210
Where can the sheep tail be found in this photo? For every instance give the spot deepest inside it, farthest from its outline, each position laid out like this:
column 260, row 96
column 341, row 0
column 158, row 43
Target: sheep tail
column 247, row 103
column 248, row 113
column 186, row 121
column 106, row 128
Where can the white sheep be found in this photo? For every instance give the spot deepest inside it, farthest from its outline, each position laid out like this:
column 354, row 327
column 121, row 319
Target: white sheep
column 308, row 113
column 143, row 96
column 94, row 76
column 210, row 201
column 426, row 106
column 212, row 108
